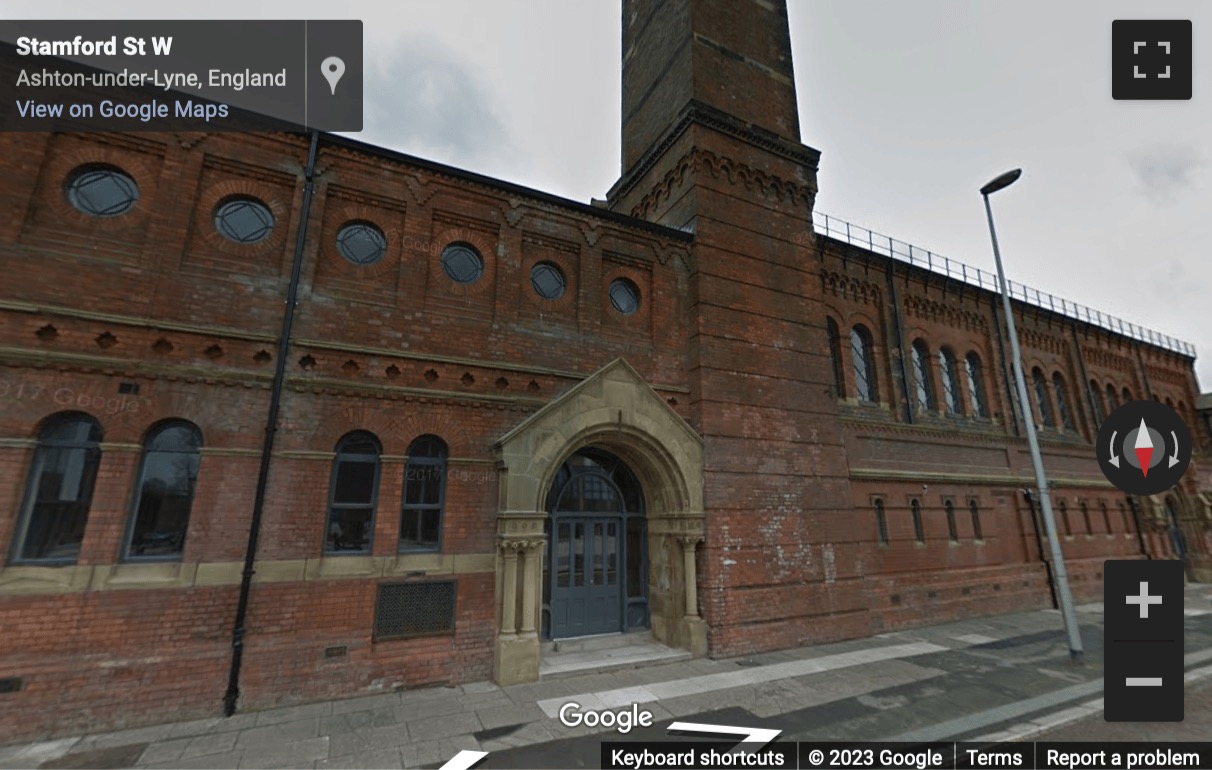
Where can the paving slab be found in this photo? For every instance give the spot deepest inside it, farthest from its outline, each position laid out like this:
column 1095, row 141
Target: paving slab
column 299, row 753
column 372, row 739
column 384, row 759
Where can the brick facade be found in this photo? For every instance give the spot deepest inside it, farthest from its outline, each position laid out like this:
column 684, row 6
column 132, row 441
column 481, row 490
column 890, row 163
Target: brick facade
column 153, row 315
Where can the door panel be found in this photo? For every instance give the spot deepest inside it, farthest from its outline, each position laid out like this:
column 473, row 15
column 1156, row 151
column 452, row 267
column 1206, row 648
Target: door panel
column 586, row 595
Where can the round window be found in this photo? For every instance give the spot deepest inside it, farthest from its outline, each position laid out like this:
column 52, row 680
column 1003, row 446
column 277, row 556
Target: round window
column 625, row 296
column 548, row 280
column 462, row 263
column 244, row 220
column 361, row 243
column 102, row 191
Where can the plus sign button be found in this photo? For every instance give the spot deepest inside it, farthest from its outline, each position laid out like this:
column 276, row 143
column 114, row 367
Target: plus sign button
column 1151, row 59
column 1143, row 641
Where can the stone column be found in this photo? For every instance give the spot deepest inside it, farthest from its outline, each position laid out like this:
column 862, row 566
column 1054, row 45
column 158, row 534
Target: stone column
column 689, row 543
column 509, row 590
column 530, row 584
column 693, row 630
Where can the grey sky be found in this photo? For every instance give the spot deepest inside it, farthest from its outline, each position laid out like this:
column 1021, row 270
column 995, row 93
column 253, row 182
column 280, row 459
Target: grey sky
column 914, row 105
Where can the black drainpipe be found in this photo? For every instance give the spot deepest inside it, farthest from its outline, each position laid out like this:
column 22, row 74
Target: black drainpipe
column 271, row 428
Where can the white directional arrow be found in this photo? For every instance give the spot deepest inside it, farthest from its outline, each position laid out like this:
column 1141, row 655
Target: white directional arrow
column 1174, row 457
column 755, row 737
column 464, row 760
column 1114, row 457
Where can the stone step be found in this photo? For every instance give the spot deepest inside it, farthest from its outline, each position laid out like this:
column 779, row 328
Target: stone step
column 597, row 642
column 597, row 654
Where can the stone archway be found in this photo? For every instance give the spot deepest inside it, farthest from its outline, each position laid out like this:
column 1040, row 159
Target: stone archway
column 614, row 410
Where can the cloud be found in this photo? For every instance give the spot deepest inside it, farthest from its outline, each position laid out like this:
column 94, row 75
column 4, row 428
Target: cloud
column 425, row 101
column 1164, row 171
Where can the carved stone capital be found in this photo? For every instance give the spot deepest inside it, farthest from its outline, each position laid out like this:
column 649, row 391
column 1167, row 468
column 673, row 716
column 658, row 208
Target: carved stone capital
column 690, row 541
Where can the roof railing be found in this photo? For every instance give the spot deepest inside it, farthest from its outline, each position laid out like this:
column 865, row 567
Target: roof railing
column 855, row 235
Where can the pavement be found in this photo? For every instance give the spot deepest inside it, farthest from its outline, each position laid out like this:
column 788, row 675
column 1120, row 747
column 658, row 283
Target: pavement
column 1007, row 677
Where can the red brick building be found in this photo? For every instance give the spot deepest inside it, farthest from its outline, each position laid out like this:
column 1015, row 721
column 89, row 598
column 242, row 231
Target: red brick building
column 699, row 411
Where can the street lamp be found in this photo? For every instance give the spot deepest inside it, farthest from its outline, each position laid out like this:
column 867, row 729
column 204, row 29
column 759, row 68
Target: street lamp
column 1064, row 597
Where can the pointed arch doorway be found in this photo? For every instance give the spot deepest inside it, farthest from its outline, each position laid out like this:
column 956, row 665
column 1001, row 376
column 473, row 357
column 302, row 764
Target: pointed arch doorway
column 595, row 575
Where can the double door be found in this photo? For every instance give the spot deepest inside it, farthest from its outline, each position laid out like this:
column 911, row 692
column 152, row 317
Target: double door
column 586, row 574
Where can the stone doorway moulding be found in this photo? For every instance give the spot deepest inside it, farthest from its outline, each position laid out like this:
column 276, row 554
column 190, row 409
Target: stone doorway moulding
column 616, row 410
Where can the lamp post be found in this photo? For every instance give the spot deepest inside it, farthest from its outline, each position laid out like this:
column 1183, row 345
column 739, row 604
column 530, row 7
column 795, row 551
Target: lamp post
column 1059, row 575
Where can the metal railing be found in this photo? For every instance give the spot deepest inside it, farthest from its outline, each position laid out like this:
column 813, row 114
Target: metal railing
column 855, row 235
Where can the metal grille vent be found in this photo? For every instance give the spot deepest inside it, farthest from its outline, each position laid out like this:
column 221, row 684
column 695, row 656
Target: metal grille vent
column 414, row 609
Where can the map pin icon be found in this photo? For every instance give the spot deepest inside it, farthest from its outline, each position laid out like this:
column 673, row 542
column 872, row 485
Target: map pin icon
column 333, row 68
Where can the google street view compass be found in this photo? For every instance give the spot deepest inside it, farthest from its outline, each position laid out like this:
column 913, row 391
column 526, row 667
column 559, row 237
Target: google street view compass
column 1144, row 448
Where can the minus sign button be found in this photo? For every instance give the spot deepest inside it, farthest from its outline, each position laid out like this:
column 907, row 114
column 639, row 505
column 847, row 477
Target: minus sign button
column 1144, row 681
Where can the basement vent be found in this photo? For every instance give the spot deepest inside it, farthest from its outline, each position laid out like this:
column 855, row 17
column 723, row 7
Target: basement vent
column 415, row 609
column 336, row 652
column 10, row 684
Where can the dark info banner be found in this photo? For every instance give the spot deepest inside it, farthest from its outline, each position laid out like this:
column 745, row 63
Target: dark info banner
column 894, row 756
column 181, row 75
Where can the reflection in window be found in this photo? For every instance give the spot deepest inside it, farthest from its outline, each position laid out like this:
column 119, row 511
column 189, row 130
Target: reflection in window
column 835, row 356
column 355, row 484
column 921, row 376
column 881, row 522
column 1062, row 401
column 1042, row 400
column 976, row 385
column 951, row 386
column 1096, row 398
column 60, row 489
column 164, row 496
column 424, row 495
column 864, row 365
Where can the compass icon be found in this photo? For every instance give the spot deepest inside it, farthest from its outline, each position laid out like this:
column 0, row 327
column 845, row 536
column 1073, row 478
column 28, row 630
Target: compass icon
column 1144, row 448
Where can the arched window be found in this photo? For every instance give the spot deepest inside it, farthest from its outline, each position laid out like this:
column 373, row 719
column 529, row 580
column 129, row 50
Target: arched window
column 1112, row 399
column 1126, row 518
column 1106, row 516
column 974, row 509
column 1169, row 402
column 881, row 522
column 1064, row 509
column 59, row 490
column 952, row 531
column 424, row 495
column 921, row 376
column 951, row 387
column 164, row 496
column 835, row 357
column 1127, row 394
column 1062, row 401
column 354, row 493
column 1096, row 398
column 915, row 508
column 1041, row 398
column 976, row 385
column 861, row 351
column 1086, row 518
